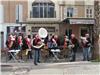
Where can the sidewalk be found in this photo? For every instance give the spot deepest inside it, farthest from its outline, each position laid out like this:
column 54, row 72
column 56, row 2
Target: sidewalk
column 64, row 68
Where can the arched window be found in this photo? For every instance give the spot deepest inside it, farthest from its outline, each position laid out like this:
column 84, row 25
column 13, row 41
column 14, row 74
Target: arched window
column 43, row 10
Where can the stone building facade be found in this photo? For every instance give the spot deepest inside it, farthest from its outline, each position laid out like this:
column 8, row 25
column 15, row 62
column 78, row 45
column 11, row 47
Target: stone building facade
column 61, row 17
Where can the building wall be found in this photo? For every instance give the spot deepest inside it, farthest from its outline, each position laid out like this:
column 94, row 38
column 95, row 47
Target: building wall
column 79, row 9
column 9, row 15
column 10, row 10
column 60, row 6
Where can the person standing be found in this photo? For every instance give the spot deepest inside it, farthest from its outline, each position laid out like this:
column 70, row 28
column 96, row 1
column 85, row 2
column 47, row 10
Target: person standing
column 86, row 48
column 74, row 44
column 28, row 41
column 36, row 42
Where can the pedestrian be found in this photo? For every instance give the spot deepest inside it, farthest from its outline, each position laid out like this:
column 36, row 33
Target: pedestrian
column 36, row 42
column 86, row 48
column 74, row 47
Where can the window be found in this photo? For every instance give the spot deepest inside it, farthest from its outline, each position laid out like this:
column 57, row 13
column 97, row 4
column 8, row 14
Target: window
column 35, row 12
column 89, row 12
column 50, row 12
column 70, row 12
column 19, row 13
column 43, row 10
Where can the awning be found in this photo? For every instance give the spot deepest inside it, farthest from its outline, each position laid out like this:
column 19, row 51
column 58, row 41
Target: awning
column 40, row 22
column 79, row 21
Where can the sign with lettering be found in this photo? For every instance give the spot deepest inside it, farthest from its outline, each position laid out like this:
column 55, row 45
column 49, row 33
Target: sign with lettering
column 81, row 21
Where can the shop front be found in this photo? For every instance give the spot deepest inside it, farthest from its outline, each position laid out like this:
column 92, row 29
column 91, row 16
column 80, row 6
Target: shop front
column 77, row 26
column 33, row 27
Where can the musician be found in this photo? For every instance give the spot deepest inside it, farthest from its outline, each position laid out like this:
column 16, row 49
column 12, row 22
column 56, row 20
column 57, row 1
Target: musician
column 74, row 46
column 86, row 48
column 54, row 42
column 36, row 42
column 10, row 43
column 66, row 41
column 28, row 41
column 20, row 42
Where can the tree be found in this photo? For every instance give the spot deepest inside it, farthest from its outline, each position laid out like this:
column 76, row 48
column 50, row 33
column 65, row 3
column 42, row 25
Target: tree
column 96, row 52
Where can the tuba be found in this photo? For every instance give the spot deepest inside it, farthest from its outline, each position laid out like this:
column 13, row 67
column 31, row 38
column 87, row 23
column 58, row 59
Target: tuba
column 42, row 32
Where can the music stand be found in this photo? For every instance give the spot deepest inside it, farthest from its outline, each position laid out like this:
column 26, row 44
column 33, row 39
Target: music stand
column 14, row 53
column 55, row 53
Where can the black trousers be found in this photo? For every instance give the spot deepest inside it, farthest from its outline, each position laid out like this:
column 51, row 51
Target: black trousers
column 73, row 54
column 29, row 55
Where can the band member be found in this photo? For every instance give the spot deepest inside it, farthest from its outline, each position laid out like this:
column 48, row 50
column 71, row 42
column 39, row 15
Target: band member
column 28, row 41
column 36, row 42
column 86, row 48
column 66, row 40
column 74, row 44
column 54, row 42
column 10, row 43
column 20, row 42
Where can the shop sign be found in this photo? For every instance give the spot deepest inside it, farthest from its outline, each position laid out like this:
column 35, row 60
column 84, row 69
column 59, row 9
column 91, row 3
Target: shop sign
column 80, row 21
